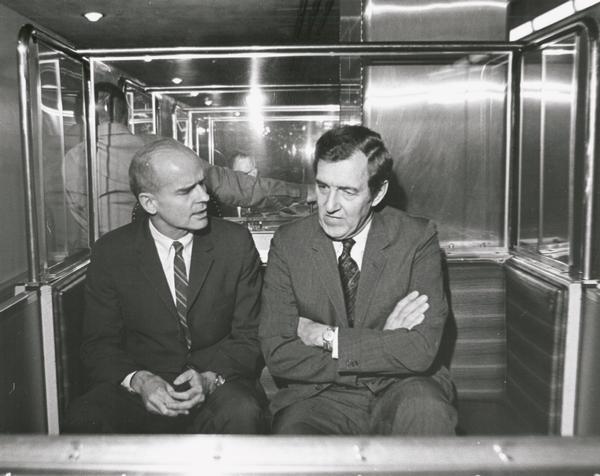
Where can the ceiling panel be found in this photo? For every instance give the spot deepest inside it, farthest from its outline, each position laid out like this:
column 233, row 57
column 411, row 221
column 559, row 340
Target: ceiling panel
column 151, row 23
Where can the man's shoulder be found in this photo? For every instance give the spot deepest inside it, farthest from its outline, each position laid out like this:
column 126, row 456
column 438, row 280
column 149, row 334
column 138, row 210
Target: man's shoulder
column 299, row 228
column 228, row 232
column 119, row 238
column 398, row 221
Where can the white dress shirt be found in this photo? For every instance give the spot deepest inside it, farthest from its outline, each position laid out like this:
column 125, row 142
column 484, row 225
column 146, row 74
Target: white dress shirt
column 357, row 252
column 166, row 254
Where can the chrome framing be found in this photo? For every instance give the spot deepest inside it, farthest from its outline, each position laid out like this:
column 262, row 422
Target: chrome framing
column 581, row 236
column 28, row 36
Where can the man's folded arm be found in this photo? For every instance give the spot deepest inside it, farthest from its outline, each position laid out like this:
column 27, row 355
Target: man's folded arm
column 285, row 354
column 402, row 351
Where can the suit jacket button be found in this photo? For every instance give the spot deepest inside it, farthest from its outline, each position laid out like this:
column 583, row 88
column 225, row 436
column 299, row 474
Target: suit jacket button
column 318, row 386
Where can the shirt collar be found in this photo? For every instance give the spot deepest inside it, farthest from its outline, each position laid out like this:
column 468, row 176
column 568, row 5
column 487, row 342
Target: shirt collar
column 164, row 241
column 361, row 237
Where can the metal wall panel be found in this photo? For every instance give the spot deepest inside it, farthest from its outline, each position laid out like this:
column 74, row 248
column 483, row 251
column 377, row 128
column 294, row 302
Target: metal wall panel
column 588, row 404
column 435, row 20
column 22, row 400
column 443, row 120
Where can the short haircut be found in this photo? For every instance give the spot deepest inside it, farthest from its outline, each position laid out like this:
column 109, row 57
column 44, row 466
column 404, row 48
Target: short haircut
column 142, row 175
column 116, row 101
column 342, row 142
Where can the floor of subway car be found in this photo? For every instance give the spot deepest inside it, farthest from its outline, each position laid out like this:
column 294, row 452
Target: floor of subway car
column 489, row 418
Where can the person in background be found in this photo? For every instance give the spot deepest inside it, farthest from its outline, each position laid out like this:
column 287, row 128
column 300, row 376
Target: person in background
column 170, row 327
column 245, row 164
column 353, row 306
column 116, row 146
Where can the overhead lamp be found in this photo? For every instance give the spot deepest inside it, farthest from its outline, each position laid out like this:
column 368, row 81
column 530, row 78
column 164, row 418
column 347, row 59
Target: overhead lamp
column 583, row 4
column 176, row 80
column 521, row 31
column 552, row 16
column 93, row 16
column 208, row 101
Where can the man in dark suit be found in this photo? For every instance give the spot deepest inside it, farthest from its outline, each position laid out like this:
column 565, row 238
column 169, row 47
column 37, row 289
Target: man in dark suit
column 170, row 327
column 346, row 334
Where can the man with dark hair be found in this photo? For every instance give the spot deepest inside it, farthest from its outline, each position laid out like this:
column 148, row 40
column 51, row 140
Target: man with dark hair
column 348, row 338
column 116, row 146
column 170, row 328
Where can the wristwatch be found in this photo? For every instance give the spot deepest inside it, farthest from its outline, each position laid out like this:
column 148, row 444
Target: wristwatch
column 328, row 336
column 219, row 380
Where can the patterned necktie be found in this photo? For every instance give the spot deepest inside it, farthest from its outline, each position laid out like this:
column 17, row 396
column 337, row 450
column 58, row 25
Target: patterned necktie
column 349, row 274
column 181, row 292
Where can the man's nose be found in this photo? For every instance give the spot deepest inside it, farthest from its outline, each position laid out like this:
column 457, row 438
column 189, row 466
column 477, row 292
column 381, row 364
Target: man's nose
column 331, row 204
column 201, row 193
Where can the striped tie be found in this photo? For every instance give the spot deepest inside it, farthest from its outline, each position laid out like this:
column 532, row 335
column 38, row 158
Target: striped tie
column 349, row 274
column 181, row 292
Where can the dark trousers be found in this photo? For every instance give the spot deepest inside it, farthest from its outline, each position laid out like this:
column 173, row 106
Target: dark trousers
column 237, row 407
column 416, row 406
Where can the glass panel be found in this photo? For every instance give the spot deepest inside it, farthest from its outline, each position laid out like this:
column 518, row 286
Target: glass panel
column 442, row 116
column 141, row 119
column 63, row 158
column 548, row 109
column 444, row 122
column 559, row 92
column 273, row 147
column 530, row 149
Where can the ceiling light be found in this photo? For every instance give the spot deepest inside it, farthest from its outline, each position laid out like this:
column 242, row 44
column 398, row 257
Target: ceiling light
column 208, row 101
column 583, row 4
column 553, row 16
column 521, row 31
column 176, row 80
column 93, row 16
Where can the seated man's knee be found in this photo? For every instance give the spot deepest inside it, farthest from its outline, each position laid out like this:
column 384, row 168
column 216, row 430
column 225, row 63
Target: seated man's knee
column 418, row 407
column 237, row 409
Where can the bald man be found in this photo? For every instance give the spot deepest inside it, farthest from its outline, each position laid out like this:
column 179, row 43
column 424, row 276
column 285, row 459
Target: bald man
column 170, row 327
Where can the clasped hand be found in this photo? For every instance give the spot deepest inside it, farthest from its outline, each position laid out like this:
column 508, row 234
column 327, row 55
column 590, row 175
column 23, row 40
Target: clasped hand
column 161, row 398
column 408, row 313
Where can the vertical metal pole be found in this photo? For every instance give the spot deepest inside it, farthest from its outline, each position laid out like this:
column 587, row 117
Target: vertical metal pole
column 25, row 38
column 93, row 225
column 590, row 152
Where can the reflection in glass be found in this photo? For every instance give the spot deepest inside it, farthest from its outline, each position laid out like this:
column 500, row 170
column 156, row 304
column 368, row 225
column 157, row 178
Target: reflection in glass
column 281, row 148
column 443, row 117
column 62, row 128
column 548, row 110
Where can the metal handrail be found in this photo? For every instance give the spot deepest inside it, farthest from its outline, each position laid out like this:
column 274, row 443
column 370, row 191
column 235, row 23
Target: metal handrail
column 274, row 51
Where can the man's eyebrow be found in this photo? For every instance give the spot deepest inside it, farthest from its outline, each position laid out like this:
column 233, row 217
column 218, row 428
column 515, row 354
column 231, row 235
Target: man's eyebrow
column 187, row 188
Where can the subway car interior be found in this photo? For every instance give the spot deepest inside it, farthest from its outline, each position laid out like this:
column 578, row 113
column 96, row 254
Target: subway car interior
column 490, row 111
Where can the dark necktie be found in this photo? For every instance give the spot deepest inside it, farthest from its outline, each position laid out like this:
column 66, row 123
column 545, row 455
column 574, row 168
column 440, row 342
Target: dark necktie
column 181, row 292
column 349, row 274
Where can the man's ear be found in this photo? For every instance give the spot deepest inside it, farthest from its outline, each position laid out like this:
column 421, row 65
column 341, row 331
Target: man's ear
column 148, row 203
column 380, row 193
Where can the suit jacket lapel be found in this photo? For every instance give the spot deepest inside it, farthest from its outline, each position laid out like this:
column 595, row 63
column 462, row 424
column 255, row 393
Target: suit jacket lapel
column 325, row 264
column 373, row 262
column 150, row 266
column 202, row 260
